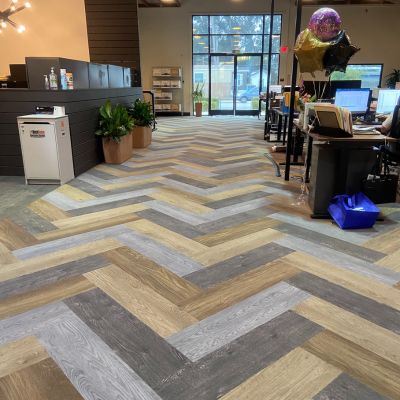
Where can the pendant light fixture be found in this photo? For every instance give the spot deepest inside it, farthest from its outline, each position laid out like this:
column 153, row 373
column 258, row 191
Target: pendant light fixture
column 11, row 10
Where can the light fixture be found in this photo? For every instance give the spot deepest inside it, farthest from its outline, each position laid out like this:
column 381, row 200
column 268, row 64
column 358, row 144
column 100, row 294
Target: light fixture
column 11, row 10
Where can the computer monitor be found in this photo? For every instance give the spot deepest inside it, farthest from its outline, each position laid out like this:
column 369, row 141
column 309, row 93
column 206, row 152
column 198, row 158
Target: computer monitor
column 327, row 89
column 387, row 100
column 344, row 84
column 355, row 100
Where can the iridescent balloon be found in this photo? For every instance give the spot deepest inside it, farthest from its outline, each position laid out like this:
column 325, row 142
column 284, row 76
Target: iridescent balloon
column 325, row 24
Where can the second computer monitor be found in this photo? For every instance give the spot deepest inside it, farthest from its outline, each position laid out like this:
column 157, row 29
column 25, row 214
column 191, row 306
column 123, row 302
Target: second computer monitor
column 355, row 100
column 387, row 100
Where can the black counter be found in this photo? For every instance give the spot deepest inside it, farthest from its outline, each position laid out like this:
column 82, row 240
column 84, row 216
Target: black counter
column 82, row 108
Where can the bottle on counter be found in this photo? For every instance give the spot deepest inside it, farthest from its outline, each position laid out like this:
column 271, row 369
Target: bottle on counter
column 53, row 80
column 63, row 78
column 46, row 82
column 70, row 80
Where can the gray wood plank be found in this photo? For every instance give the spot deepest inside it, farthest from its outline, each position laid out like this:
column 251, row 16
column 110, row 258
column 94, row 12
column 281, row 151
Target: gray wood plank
column 92, row 367
column 148, row 354
column 38, row 279
column 235, row 266
column 219, row 372
column 236, row 200
column 365, row 307
column 346, row 388
column 208, row 335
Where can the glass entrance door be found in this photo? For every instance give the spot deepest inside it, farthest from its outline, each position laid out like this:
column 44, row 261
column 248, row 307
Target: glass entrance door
column 235, row 84
column 222, row 84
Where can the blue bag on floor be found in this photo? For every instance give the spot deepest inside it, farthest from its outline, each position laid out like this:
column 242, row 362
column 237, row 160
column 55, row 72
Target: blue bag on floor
column 353, row 212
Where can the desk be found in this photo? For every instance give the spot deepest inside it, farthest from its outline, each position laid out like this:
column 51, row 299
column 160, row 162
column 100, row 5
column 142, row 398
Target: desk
column 338, row 165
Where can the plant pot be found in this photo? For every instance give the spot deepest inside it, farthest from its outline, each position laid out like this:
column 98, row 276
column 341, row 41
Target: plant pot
column 198, row 109
column 117, row 153
column 141, row 137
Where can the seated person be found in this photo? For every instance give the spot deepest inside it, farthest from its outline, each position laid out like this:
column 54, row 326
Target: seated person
column 386, row 125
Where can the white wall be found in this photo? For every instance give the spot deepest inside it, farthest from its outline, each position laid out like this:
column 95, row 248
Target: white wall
column 165, row 33
column 53, row 29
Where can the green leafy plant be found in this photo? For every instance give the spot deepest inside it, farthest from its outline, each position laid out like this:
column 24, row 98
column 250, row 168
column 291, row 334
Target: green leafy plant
column 392, row 78
column 198, row 93
column 114, row 122
column 141, row 113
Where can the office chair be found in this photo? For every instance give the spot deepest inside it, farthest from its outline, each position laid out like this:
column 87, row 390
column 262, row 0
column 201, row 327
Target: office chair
column 391, row 153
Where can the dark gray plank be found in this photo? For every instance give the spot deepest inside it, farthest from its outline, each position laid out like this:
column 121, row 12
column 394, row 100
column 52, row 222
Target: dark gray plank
column 190, row 181
column 148, row 354
column 236, row 200
column 365, row 307
column 170, row 223
column 346, row 388
column 219, row 372
column 238, row 265
column 39, row 279
column 331, row 242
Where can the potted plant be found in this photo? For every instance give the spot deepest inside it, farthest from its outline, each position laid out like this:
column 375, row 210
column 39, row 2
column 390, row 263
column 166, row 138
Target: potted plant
column 197, row 98
column 115, row 127
column 393, row 78
column 143, row 119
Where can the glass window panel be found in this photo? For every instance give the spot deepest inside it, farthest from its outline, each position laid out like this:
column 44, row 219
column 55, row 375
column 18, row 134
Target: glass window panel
column 201, row 76
column 369, row 74
column 274, row 76
column 222, row 80
column 277, row 24
column 228, row 24
column 232, row 43
column 200, row 24
column 200, row 44
column 276, row 43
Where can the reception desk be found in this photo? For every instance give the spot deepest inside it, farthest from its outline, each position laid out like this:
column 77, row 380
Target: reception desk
column 82, row 108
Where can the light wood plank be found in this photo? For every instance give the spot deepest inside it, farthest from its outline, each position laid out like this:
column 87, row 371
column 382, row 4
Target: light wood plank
column 392, row 261
column 44, row 295
column 41, row 263
column 13, row 237
column 365, row 366
column 297, row 376
column 371, row 337
column 236, row 246
column 237, row 289
column 47, row 210
column 360, row 284
column 96, row 216
column 74, row 193
column 235, row 192
column 154, row 310
column 128, row 184
column 237, row 231
column 6, row 256
column 388, row 242
column 20, row 354
column 171, row 239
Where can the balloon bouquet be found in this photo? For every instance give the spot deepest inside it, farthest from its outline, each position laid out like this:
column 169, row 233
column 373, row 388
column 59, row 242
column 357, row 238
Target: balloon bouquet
column 324, row 46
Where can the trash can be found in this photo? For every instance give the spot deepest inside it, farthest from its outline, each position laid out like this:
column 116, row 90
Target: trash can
column 46, row 149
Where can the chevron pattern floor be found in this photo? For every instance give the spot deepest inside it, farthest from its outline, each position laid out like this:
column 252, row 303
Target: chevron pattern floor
column 193, row 272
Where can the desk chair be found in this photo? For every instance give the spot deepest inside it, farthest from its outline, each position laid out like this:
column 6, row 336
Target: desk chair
column 392, row 153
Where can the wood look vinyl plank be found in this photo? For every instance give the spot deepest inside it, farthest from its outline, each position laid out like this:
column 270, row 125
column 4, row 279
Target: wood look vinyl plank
column 20, row 354
column 224, row 369
column 148, row 354
column 374, row 338
column 50, row 276
column 157, row 312
column 378, row 291
column 161, row 280
column 43, row 295
column 41, row 263
column 237, row 289
column 299, row 376
column 6, row 256
column 74, row 193
column 236, row 246
column 96, row 216
column 167, row 237
column 47, row 210
column 13, row 237
column 367, row 367
column 131, row 184
column 392, row 261
column 346, row 388
column 235, row 192
column 378, row 313
column 236, row 231
column 227, row 325
column 43, row 381
column 387, row 243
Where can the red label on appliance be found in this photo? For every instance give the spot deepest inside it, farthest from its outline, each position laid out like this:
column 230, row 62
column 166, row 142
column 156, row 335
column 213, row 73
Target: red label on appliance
column 37, row 133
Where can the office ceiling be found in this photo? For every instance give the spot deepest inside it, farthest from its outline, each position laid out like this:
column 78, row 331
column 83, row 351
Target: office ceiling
column 159, row 3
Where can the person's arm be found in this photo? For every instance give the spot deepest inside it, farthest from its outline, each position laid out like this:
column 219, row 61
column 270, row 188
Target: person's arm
column 387, row 124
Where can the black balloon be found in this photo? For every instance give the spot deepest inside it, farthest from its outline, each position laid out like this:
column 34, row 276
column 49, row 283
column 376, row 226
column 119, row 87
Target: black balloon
column 338, row 54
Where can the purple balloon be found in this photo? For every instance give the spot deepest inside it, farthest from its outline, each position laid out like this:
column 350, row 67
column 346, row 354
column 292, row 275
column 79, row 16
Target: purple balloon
column 325, row 23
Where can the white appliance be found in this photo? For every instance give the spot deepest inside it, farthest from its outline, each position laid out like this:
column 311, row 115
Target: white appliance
column 46, row 148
